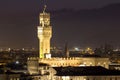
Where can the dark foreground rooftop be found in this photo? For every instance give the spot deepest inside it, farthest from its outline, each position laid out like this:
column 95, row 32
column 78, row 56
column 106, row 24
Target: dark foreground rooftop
column 85, row 71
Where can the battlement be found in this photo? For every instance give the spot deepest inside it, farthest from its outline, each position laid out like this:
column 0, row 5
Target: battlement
column 72, row 61
column 70, row 58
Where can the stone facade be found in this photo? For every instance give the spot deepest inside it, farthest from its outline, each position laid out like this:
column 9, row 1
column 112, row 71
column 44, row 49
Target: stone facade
column 77, row 61
column 87, row 77
column 33, row 63
column 44, row 34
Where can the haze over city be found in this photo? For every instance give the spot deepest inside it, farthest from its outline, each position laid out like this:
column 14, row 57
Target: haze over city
column 81, row 23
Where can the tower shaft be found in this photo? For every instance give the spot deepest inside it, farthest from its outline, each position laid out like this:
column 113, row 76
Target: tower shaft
column 44, row 34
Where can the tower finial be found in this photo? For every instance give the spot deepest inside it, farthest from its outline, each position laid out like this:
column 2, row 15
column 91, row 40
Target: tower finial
column 45, row 6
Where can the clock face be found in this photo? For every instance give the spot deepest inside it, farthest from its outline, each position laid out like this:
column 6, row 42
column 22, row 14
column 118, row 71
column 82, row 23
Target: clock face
column 46, row 21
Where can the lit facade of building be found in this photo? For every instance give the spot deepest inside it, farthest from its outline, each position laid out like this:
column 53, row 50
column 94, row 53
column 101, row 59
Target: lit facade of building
column 77, row 61
column 93, row 77
column 44, row 34
column 33, row 62
column 10, row 76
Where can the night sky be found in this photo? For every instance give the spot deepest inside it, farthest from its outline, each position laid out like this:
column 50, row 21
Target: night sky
column 82, row 23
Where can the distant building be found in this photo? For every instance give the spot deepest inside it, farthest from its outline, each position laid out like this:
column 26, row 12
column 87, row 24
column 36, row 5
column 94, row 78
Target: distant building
column 33, row 62
column 77, row 61
column 114, row 66
column 9, row 75
column 42, row 72
column 76, row 73
column 85, row 73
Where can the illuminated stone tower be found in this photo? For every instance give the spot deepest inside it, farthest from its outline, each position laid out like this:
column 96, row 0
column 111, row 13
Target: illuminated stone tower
column 44, row 33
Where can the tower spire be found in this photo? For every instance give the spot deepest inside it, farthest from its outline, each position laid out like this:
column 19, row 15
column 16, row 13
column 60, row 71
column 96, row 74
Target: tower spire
column 45, row 6
column 66, row 50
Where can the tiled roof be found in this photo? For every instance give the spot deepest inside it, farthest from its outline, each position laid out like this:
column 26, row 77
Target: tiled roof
column 85, row 71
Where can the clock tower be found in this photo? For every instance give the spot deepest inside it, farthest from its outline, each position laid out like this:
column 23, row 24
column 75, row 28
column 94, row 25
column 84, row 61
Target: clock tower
column 44, row 33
